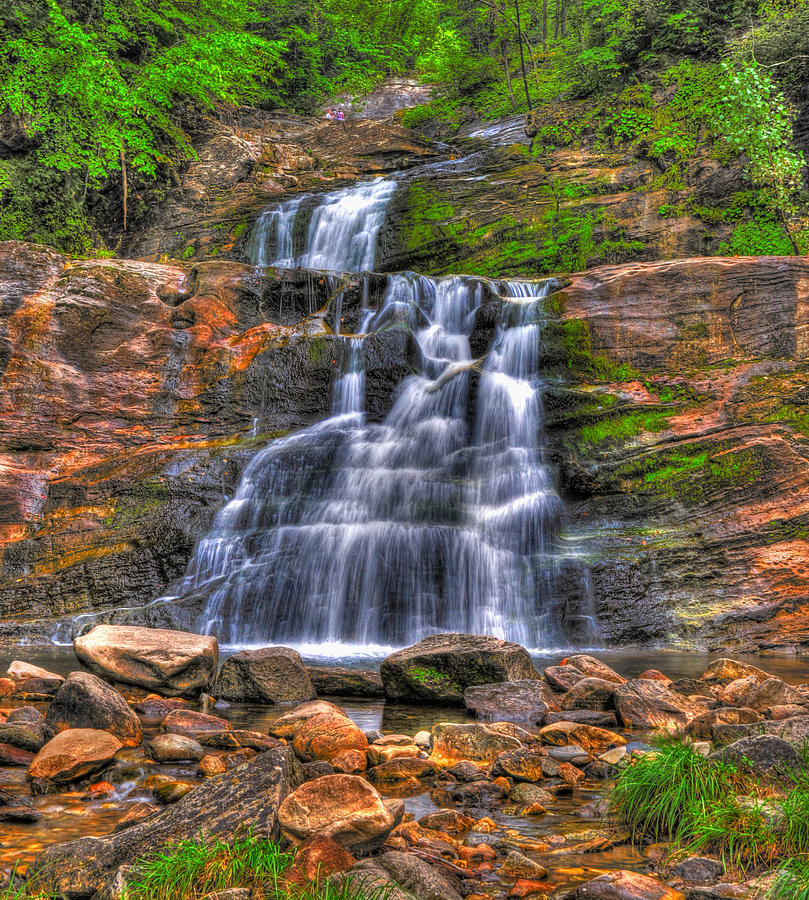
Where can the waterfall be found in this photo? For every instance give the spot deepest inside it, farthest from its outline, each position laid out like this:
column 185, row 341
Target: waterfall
column 341, row 235
column 442, row 517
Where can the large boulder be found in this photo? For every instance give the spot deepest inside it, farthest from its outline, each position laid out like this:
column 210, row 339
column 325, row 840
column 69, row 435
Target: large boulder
column 725, row 670
column 341, row 681
column 326, row 735
column 270, row 675
column 625, row 885
column 702, row 727
column 441, row 667
column 764, row 754
column 71, row 756
column 250, row 796
column 511, row 701
column 171, row 663
column 480, row 744
column 345, row 808
column 85, row 701
column 774, row 692
column 650, row 704
column 591, row 693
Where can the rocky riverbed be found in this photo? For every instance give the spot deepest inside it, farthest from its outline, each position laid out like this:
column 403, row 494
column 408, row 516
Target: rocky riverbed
column 484, row 777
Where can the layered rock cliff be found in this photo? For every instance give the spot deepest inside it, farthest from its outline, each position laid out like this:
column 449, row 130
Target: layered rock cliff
column 134, row 392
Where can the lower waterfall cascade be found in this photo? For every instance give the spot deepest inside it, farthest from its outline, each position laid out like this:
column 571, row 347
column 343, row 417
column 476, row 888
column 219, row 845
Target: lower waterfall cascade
column 441, row 517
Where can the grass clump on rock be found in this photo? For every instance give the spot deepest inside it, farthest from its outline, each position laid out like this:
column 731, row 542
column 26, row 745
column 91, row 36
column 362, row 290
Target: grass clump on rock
column 710, row 806
column 662, row 794
column 193, row 869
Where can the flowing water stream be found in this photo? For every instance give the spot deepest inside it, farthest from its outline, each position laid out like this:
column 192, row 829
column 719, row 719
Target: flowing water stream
column 442, row 517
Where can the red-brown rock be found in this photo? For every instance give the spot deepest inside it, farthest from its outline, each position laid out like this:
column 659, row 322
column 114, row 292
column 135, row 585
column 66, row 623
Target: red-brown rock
column 325, row 735
column 345, row 808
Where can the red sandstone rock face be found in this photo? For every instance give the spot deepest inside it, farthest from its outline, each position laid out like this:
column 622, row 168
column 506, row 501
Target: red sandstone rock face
column 692, row 485
column 128, row 392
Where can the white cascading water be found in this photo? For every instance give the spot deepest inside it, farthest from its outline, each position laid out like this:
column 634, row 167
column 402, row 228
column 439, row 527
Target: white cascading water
column 440, row 518
column 341, row 235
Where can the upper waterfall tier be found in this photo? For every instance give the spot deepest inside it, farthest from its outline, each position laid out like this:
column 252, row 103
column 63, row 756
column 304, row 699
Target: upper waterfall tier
column 340, row 236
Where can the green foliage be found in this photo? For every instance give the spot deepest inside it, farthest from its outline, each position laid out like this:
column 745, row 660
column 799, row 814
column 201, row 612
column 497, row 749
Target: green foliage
column 707, row 806
column 194, row 868
column 755, row 121
column 792, row 881
column 759, row 237
column 660, row 795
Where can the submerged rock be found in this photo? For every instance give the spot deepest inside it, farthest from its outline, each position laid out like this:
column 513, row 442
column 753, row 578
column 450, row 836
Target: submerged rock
column 270, row 675
column 441, row 667
column 171, row 663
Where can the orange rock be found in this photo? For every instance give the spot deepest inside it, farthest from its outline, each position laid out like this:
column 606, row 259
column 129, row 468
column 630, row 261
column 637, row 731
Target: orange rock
column 380, row 754
column 345, row 808
column 211, row 765
column 349, row 762
column 70, row 756
column 524, row 887
column 318, row 858
column 327, row 734
column 101, row 787
column 570, row 774
column 7, row 687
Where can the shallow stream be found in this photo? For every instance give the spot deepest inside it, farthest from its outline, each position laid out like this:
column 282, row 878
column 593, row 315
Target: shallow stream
column 77, row 814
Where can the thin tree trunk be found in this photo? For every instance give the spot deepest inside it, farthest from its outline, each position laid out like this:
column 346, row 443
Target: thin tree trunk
column 522, row 55
column 544, row 26
column 564, row 16
column 125, row 184
column 556, row 22
column 507, row 70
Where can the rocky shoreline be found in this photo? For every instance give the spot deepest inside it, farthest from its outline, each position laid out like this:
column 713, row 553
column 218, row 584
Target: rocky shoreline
column 490, row 797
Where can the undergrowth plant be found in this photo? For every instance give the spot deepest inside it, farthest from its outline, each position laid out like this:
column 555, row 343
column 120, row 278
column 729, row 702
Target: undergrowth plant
column 792, row 881
column 661, row 794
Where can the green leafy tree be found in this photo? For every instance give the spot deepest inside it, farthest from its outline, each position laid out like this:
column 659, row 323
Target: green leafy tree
column 755, row 120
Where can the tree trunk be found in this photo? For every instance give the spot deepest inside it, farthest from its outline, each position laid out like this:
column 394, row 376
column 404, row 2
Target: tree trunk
column 556, row 22
column 125, row 184
column 522, row 55
column 544, row 26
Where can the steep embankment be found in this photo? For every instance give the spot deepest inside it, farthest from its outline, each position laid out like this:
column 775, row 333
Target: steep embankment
column 134, row 392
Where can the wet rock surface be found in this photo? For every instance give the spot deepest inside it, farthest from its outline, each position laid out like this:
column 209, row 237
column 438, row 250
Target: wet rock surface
column 442, row 666
column 270, row 675
column 471, row 807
